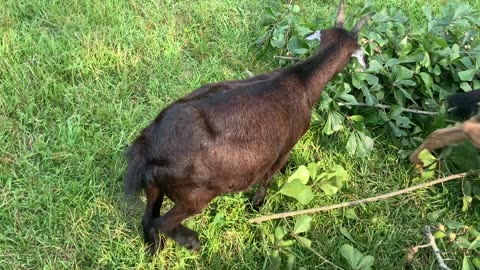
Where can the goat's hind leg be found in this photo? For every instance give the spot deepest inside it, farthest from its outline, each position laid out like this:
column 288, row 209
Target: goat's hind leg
column 154, row 202
column 170, row 224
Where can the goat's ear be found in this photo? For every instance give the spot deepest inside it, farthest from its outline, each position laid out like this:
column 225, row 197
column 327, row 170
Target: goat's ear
column 361, row 57
column 315, row 36
column 358, row 26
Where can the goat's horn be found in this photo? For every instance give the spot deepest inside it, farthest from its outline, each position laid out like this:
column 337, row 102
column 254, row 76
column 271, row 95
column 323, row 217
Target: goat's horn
column 340, row 15
column 361, row 23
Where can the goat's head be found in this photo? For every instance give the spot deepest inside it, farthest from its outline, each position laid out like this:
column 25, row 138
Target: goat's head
column 342, row 38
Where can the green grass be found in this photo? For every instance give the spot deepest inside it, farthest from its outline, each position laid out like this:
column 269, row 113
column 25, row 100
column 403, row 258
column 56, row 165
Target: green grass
column 79, row 80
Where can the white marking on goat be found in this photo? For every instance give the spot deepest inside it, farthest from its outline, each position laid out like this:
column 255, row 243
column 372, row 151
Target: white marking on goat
column 360, row 55
column 314, row 36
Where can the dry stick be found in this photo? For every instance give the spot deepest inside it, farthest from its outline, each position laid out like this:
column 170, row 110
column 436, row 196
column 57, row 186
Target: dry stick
column 381, row 106
column 436, row 251
column 372, row 199
column 286, row 58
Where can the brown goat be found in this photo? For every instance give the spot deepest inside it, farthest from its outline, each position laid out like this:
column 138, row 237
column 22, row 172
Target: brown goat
column 463, row 105
column 225, row 137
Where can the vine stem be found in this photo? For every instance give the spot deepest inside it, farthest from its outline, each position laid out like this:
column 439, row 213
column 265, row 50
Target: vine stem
column 371, row 199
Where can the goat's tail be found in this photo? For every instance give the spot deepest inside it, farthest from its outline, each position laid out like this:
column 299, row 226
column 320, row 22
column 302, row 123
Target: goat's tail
column 464, row 105
column 139, row 172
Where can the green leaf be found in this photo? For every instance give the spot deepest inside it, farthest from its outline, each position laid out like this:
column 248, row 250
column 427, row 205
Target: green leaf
column 345, row 233
column 392, row 62
column 439, row 234
column 467, row 75
column 341, row 175
column 280, row 232
column 463, row 242
column 219, row 219
column 312, row 168
column 305, row 241
column 350, row 214
column 433, row 216
column 426, row 60
column 301, row 173
column 348, row 98
column 427, row 11
column 356, row 118
column 455, row 225
column 295, row 9
column 427, row 79
column 401, row 73
column 466, row 264
column 426, row 157
column 466, row 202
column 476, row 262
column 477, row 61
column 285, row 243
column 465, row 86
column 374, row 66
column 475, row 244
column 278, row 40
column 366, row 263
column 290, row 261
column 364, row 144
column 296, row 189
column 297, row 45
column 334, row 122
column 352, row 144
column 405, row 46
column 275, row 259
column 351, row 254
column 302, row 224
column 455, row 53
column 329, row 189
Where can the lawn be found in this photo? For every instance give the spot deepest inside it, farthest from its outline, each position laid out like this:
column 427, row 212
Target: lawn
column 80, row 79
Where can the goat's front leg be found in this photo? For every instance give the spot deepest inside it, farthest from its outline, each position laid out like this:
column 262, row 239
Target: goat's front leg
column 438, row 139
column 259, row 196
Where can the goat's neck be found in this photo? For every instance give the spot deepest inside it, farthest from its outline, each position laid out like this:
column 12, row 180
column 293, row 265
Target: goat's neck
column 324, row 66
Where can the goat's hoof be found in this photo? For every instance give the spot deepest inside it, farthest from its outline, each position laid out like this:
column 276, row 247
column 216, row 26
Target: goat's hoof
column 257, row 202
column 155, row 245
column 188, row 239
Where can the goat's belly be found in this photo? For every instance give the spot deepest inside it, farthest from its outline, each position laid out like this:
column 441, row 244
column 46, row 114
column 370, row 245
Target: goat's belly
column 231, row 175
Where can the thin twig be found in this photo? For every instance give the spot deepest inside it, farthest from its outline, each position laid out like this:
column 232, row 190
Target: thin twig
column 381, row 106
column 372, row 199
column 286, row 57
column 436, row 251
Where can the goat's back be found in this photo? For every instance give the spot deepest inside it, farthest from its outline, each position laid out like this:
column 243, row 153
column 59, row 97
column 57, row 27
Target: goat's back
column 231, row 134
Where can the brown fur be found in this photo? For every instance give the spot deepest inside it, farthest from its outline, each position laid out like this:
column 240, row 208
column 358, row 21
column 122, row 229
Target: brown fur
column 225, row 137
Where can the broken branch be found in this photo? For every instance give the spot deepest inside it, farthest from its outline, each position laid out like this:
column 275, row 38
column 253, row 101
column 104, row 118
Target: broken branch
column 371, row 199
column 436, row 251
column 387, row 107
